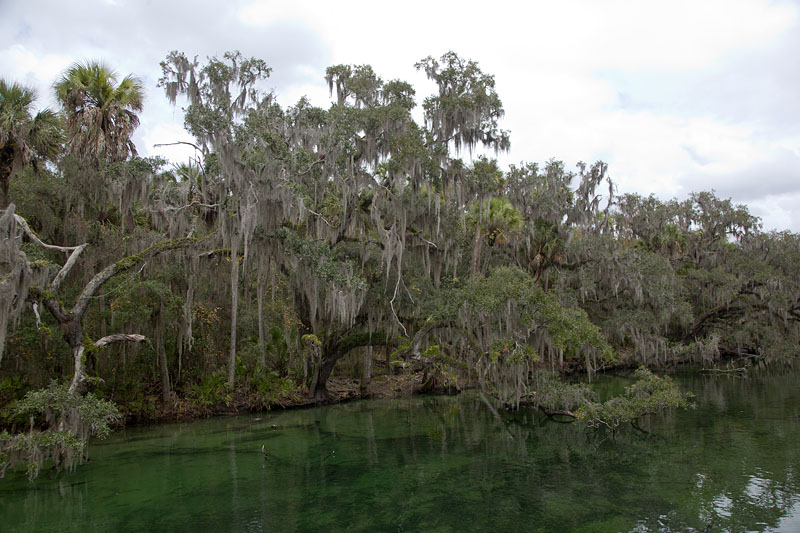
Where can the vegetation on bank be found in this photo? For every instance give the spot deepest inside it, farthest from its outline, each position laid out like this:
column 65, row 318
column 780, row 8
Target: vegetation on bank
column 302, row 242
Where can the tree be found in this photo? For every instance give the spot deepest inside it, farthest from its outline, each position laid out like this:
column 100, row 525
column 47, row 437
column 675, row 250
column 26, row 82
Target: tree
column 495, row 220
column 71, row 419
column 24, row 137
column 355, row 226
column 467, row 109
column 101, row 113
column 212, row 117
column 340, row 198
column 71, row 320
column 648, row 395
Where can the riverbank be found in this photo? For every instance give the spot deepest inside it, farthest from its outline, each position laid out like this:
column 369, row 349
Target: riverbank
column 340, row 389
column 344, row 389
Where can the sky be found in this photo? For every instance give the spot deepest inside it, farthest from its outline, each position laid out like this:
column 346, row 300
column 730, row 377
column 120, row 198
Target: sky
column 676, row 96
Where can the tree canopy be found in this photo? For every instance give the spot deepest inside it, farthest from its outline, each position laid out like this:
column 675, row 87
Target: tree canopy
column 353, row 239
column 101, row 114
column 24, row 137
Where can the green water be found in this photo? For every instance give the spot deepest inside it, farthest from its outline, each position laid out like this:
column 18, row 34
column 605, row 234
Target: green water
column 439, row 464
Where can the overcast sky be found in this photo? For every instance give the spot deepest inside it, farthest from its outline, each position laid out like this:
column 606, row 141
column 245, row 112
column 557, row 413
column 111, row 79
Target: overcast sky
column 677, row 96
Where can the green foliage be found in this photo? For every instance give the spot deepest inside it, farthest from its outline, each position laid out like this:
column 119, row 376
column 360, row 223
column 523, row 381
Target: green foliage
column 311, row 339
column 271, row 389
column 85, row 416
column 497, row 218
column 32, row 450
column 70, row 420
column 467, row 108
column 325, row 265
column 551, row 394
column 212, row 390
column 23, row 136
column 509, row 350
column 651, row 394
column 101, row 113
column 513, row 294
column 12, row 388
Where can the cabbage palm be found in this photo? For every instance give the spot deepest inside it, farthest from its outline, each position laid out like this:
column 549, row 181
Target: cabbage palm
column 495, row 220
column 101, row 113
column 23, row 136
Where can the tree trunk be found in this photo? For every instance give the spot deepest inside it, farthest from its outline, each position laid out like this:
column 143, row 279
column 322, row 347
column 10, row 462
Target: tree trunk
column 321, row 380
column 476, row 253
column 262, row 348
column 333, row 351
column 158, row 337
column 234, row 314
column 73, row 334
column 90, row 360
column 78, row 383
column 188, row 318
column 6, row 158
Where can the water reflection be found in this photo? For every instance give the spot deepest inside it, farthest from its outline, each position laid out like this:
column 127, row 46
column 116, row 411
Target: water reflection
column 440, row 464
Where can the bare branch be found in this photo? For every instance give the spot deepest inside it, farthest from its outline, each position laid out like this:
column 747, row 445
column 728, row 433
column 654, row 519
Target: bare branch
column 187, row 206
column 74, row 252
column 320, row 216
column 423, row 239
column 551, row 414
column 119, row 337
column 391, row 304
column 179, row 142
column 38, row 317
column 73, row 258
column 35, row 238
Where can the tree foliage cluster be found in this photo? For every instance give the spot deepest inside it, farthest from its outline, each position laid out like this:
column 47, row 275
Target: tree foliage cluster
column 301, row 237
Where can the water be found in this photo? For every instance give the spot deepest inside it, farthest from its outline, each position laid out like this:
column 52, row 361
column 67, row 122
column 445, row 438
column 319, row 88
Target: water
column 439, row 464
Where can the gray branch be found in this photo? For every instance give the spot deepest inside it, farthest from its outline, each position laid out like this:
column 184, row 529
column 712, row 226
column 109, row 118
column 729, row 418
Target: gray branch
column 119, row 337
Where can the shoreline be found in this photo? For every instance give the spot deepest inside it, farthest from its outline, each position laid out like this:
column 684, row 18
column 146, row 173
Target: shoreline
column 341, row 390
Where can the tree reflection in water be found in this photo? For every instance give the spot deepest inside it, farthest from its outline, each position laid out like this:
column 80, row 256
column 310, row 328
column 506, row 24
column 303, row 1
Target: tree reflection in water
column 442, row 464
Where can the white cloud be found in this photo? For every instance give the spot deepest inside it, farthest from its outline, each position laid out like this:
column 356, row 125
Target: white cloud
column 675, row 95
column 262, row 13
column 166, row 134
column 39, row 71
column 778, row 212
column 768, row 174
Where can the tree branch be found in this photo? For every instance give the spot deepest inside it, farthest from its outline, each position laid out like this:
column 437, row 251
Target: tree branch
column 73, row 258
column 119, row 337
column 74, row 251
column 191, row 204
column 122, row 265
column 57, row 310
column 179, row 142
column 35, row 238
column 551, row 414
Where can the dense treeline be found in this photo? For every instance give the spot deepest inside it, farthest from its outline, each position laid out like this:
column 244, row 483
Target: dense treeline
column 301, row 242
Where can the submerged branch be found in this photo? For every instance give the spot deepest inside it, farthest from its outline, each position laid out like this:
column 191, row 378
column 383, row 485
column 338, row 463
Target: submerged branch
column 551, row 414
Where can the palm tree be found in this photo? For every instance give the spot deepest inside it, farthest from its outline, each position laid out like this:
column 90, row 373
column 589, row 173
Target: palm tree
column 548, row 243
column 495, row 219
column 101, row 114
column 23, row 137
